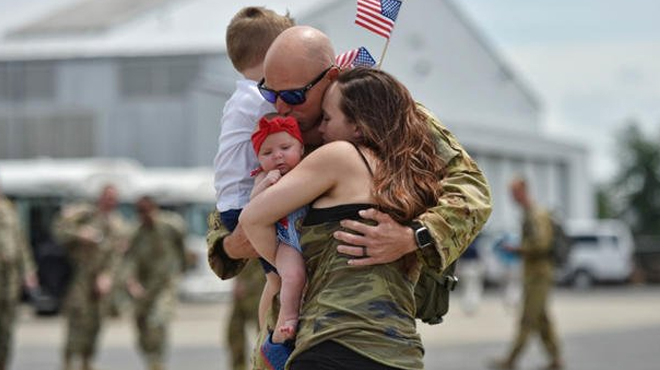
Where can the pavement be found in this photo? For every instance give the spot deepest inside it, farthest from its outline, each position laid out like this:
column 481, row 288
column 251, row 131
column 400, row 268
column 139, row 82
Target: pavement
column 610, row 327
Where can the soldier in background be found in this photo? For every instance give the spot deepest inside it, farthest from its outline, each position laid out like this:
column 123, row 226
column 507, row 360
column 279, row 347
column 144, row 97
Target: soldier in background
column 155, row 261
column 245, row 308
column 16, row 265
column 95, row 237
column 535, row 244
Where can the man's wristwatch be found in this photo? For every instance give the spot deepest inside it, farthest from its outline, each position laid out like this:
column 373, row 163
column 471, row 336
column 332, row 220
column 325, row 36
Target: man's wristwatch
column 422, row 235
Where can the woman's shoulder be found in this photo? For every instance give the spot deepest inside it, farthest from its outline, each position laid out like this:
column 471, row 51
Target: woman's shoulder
column 335, row 150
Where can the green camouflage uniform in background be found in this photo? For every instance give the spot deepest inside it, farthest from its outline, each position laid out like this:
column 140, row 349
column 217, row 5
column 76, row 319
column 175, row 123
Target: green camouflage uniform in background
column 156, row 259
column 536, row 240
column 462, row 210
column 248, row 286
column 85, row 308
column 15, row 262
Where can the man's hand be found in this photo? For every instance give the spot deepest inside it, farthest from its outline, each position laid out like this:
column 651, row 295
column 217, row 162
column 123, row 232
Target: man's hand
column 237, row 246
column 383, row 243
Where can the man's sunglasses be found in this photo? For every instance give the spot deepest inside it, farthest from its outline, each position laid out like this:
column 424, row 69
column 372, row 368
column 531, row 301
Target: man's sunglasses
column 293, row 96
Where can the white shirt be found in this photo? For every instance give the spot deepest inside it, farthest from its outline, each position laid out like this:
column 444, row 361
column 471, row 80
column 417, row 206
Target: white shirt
column 236, row 157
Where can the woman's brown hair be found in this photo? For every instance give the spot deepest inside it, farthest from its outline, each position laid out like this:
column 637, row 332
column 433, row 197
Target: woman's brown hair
column 406, row 183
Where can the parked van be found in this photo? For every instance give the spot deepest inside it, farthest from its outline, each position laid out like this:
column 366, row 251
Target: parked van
column 601, row 251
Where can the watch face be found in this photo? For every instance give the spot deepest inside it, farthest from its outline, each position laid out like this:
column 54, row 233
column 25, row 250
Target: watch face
column 423, row 237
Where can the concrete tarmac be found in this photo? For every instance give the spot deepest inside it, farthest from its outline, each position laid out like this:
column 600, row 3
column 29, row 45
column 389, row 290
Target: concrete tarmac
column 612, row 327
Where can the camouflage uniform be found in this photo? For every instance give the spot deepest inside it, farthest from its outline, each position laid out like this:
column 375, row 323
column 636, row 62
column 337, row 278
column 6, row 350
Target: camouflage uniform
column 461, row 212
column 156, row 259
column 535, row 245
column 245, row 310
column 85, row 307
column 15, row 262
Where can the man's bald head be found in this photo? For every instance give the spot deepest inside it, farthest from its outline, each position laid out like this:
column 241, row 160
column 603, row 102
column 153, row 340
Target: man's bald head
column 304, row 47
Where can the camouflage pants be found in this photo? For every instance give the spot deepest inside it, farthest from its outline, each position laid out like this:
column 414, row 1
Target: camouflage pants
column 152, row 319
column 9, row 299
column 243, row 313
column 84, row 321
column 535, row 319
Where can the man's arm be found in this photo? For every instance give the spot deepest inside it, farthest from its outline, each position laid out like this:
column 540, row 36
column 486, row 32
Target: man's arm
column 227, row 252
column 462, row 210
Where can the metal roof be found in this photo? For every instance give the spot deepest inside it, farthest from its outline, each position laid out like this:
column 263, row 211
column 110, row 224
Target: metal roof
column 85, row 16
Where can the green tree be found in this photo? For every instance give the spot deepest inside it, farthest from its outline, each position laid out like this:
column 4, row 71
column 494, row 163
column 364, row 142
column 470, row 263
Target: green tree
column 637, row 183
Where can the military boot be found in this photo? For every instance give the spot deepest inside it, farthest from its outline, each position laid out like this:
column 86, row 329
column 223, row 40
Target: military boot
column 156, row 365
column 87, row 364
column 501, row 364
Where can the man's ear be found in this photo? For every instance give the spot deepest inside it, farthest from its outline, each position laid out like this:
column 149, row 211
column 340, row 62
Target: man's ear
column 333, row 73
column 357, row 133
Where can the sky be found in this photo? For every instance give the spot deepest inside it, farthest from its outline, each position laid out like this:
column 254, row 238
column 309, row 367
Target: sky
column 593, row 64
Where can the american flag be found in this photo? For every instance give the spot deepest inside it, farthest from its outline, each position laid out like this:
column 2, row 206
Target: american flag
column 354, row 58
column 377, row 16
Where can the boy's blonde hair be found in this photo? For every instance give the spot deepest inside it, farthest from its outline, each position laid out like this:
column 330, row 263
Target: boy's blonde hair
column 250, row 33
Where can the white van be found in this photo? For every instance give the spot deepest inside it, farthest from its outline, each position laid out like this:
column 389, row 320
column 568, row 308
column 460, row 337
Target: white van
column 602, row 251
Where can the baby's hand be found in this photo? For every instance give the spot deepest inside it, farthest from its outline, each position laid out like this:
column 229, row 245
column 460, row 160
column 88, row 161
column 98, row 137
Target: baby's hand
column 272, row 177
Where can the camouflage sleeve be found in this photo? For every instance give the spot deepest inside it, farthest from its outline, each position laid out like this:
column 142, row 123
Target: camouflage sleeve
column 179, row 230
column 221, row 264
column 538, row 236
column 66, row 224
column 464, row 206
column 27, row 260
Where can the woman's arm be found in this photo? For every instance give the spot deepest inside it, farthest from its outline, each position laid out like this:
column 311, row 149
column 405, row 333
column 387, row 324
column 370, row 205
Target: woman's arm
column 317, row 174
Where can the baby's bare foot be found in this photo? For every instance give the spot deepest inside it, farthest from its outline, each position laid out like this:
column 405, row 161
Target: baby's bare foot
column 286, row 331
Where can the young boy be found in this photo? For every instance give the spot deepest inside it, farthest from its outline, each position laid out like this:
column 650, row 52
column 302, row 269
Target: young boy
column 279, row 147
column 249, row 34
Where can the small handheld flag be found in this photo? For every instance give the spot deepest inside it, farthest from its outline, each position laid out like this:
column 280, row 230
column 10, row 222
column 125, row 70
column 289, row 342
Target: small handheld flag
column 354, row 58
column 378, row 16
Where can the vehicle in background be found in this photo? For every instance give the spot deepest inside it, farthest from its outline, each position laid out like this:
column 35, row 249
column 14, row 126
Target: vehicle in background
column 601, row 251
column 39, row 189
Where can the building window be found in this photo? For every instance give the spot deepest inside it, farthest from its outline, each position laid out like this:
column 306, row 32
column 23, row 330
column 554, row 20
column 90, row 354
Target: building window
column 56, row 134
column 140, row 77
column 27, row 81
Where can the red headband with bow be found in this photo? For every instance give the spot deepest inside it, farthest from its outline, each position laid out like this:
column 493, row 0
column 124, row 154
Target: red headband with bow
column 276, row 124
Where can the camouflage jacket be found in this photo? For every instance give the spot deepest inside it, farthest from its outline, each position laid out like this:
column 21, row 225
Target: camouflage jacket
column 535, row 243
column 156, row 256
column 462, row 210
column 15, row 252
column 90, row 259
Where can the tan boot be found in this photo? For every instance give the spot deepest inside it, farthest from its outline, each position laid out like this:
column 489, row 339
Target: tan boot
column 156, row 365
column 556, row 364
column 67, row 362
column 87, row 364
column 501, row 364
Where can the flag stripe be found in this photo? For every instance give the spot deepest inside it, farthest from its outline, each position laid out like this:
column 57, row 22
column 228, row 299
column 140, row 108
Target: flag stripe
column 377, row 16
column 370, row 27
column 356, row 57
